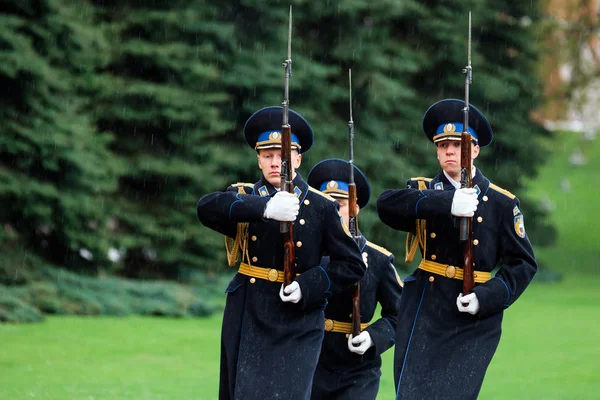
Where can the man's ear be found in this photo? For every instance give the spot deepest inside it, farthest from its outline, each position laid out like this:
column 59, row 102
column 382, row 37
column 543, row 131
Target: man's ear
column 475, row 151
column 357, row 209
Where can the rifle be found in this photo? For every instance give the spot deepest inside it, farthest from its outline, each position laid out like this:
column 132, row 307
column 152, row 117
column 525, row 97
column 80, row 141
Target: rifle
column 466, row 231
column 289, row 254
column 352, row 217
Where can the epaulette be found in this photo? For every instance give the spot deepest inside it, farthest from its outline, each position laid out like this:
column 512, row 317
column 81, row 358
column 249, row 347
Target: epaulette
column 381, row 249
column 328, row 197
column 238, row 184
column 422, row 182
column 503, row 191
column 420, row 178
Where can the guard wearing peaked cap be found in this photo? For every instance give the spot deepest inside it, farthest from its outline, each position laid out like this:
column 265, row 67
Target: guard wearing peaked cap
column 263, row 130
column 444, row 121
column 271, row 338
column 436, row 318
column 346, row 371
column 332, row 176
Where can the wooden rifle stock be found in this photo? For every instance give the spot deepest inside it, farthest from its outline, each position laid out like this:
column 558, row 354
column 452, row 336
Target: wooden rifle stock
column 287, row 228
column 353, row 223
column 466, row 230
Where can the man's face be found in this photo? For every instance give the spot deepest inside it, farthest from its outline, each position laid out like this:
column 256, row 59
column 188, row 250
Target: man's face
column 345, row 210
column 448, row 153
column 269, row 161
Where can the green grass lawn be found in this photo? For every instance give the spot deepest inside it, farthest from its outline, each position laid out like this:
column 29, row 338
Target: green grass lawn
column 549, row 350
column 67, row 358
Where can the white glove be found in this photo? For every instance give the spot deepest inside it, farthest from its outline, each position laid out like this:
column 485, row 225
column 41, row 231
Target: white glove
column 468, row 303
column 363, row 341
column 464, row 202
column 291, row 293
column 283, row 206
column 365, row 256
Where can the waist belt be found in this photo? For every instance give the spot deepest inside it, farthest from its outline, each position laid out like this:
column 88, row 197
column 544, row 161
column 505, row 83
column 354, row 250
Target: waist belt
column 268, row 274
column 342, row 327
column 450, row 271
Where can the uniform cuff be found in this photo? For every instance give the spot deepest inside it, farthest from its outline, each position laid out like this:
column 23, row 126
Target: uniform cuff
column 315, row 285
column 248, row 207
column 493, row 297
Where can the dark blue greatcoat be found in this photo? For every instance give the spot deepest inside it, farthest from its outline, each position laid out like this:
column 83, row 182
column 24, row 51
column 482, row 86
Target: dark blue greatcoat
column 440, row 352
column 269, row 349
column 340, row 373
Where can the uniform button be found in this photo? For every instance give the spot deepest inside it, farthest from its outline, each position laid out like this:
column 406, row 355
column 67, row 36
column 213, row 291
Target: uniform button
column 349, row 315
column 307, row 201
column 252, row 280
column 431, row 279
column 475, row 242
column 365, row 254
column 433, row 256
column 347, row 335
column 433, row 235
column 299, row 243
column 254, row 259
column 302, row 222
column 485, row 198
column 480, row 219
column 253, row 238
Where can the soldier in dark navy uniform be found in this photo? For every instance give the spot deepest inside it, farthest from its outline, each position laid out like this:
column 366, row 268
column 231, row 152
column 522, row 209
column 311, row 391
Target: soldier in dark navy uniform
column 445, row 341
column 352, row 370
column 271, row 336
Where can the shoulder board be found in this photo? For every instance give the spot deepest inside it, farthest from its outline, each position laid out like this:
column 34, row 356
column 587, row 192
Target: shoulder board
column 420, row 178
column 238, row 184
column 503, row 191
column 328, row 197
column 381, row 249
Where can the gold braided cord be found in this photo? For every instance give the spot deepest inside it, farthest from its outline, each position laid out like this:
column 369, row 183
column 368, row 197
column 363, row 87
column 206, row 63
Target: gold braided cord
column 240, row 243
column 417, row 240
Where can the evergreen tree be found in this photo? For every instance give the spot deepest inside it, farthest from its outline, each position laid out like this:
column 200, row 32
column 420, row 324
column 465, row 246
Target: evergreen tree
column 54, row 173
column 164, row 103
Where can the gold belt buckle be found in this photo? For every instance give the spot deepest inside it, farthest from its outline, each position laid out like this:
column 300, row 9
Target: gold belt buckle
column 328, row 325
column 272, row 275
column 450, row 271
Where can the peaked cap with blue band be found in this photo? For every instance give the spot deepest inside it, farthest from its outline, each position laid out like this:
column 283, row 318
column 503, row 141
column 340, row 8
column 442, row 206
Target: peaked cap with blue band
column 263, row 130
column 332, row 177
column 444, row 121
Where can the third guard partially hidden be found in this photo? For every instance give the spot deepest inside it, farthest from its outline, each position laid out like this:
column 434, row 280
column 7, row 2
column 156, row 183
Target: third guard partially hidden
column 349, row 370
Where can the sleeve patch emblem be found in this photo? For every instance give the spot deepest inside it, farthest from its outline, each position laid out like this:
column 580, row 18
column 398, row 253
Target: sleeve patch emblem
column 520, row 226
